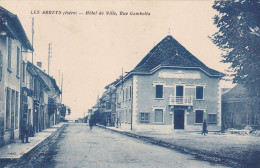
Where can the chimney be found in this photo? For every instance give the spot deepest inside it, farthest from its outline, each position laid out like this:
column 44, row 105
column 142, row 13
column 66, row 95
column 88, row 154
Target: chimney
column 39, row 64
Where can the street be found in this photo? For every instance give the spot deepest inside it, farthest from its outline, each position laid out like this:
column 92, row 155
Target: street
column 78, row 146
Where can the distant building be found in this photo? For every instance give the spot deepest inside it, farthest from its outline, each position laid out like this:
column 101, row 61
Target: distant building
column 14, row 46
column 237, row 111
column 169, row 89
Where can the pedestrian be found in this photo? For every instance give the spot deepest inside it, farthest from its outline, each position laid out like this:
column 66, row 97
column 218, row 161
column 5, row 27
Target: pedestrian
column 204, row 128
column 91, row 123
column 25, row 130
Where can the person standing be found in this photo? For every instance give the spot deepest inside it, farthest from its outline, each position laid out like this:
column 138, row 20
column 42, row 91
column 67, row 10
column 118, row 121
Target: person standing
column 25, row 130
column 91, row 123
column 204, row 128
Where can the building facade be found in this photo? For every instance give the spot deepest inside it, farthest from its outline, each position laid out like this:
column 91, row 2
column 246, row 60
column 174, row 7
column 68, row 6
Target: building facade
column 237, row 111
column 14, row 45
column 169, row 89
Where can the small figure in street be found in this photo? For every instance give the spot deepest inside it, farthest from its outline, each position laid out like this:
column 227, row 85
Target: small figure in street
column 204, row 128
column 91, row 123
column 25, row 130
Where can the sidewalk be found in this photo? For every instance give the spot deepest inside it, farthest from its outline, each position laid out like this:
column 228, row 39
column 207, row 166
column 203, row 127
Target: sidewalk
column 230, row 149
column 17, row 149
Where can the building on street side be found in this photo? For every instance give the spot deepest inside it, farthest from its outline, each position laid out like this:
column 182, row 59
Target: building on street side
column 237, row 109
column 169, row 89
column 14, row 45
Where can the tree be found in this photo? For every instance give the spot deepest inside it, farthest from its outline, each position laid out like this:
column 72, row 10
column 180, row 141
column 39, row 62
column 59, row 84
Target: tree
column 238, row 23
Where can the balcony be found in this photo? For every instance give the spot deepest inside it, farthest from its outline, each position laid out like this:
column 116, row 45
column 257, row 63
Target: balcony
column 181, row 101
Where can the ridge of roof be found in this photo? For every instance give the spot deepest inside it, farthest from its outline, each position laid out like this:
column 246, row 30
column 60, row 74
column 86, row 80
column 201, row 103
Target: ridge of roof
column 169, row 52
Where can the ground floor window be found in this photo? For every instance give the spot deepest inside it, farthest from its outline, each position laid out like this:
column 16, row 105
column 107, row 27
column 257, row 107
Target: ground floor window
column 8, row 105
column 212, row 118
column 199, row 116
column 158, row 115
column 144, row 117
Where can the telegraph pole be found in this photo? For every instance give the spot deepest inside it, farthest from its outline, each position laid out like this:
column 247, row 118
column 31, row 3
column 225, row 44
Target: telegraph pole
column 32, row 35
column 49, row 57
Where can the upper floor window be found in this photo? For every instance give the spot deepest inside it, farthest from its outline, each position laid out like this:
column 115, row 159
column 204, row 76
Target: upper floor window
column 199, row 116
column 23, row 72
column 159, row 91
column 130, row 92
column 126, row 94
column 199, row 93
column 9, row 50
column 123, row 95
column 18, row 61
column 1, row 65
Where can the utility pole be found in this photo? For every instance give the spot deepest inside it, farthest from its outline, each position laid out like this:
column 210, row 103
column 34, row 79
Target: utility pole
column 49, row 57
column 61, row 86
column 32, row 35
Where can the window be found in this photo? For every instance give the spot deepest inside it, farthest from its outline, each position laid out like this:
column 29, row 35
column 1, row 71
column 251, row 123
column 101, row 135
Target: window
column 23, row 72
column 9, row 49
column 18, row 61
column 212, row 118
column 159, row 91
column 7, row 119
column 126, row 94
column 130, row 92
column 123, row 95
column 144, row 117
column 1, row 65
column 158, row 117
column 199, row 92
column 16, row 110
column 199, row 116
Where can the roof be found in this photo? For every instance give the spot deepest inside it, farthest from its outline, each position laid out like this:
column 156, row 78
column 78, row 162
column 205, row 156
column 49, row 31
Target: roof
column 170, row 53
column 237, row 93
column 48, row 80
column 11, row 24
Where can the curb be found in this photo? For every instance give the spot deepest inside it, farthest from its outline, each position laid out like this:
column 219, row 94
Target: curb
column 202, row 156
column 58, row 131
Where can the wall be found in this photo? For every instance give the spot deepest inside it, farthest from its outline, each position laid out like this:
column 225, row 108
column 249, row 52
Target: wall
column 124, row 110
column 10, row 80
column 145, row 101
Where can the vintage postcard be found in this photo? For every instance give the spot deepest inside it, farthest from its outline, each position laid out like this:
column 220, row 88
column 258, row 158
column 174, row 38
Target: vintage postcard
column 131, row 83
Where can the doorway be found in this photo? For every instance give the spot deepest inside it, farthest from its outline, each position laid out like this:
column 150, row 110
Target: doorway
column 179, row 94
column 178, row 119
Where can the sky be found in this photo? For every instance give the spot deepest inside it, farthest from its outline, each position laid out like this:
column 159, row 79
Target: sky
column 91, row 50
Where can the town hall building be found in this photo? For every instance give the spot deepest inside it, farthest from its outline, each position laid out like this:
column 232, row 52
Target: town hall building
column 169, row 89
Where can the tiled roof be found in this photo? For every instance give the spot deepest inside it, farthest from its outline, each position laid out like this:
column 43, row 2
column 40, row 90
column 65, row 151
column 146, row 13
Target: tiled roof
column 170, row 53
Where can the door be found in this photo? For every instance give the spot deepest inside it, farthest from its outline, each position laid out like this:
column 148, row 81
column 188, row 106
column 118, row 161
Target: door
column 178, row 119
column 179, row 94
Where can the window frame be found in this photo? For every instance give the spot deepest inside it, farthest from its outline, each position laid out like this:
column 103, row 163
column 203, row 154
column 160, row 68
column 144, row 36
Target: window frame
column 197, row 94
column 18, row 62
column 196, row 116
column 162, row 115
column 162, row 95
column 9, row 54
column 144, row 120
column 213, row 122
